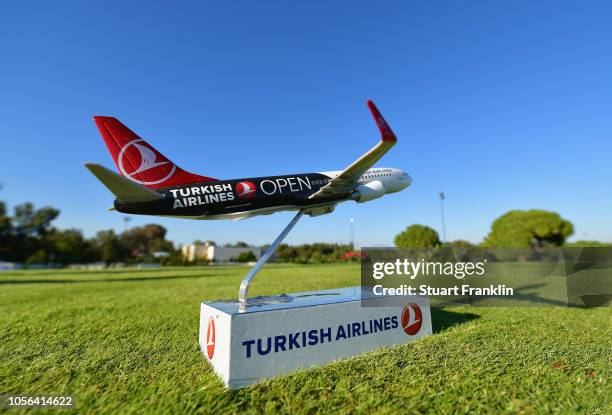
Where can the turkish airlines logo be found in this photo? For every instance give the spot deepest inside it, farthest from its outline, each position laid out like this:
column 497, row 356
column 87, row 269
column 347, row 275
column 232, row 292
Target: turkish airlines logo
column 245, row 190
column 412, row 319
column 138, row 161
column 210, row 338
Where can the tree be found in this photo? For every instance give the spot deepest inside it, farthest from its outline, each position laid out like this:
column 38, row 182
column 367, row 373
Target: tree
column 459, row 243
column 6, row 232
column 70, row 247
column 34, row 222
column 144, row 240
column 312, row 253
column 417, row 236
column 238, row 244
column 30, row 229
column 528, row 228
column 109, row 247
column 247, row 256
column 286, row 253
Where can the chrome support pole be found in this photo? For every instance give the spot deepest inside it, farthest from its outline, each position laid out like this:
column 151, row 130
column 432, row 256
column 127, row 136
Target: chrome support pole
column 244, row 286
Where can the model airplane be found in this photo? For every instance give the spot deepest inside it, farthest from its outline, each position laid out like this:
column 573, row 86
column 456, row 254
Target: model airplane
column 151, row 184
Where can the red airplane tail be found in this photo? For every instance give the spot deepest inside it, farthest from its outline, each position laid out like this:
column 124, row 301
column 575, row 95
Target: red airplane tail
column 140, row 161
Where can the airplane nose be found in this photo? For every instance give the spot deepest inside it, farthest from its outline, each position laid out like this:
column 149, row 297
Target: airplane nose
column 405, row 180
column 400, row 181
column 408, row 178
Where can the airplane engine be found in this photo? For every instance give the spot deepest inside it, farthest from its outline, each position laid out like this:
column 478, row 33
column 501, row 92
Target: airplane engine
column 370, row 191
column 319, row 210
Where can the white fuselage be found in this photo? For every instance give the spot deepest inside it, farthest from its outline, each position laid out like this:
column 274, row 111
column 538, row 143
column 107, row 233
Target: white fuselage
column 392, row 179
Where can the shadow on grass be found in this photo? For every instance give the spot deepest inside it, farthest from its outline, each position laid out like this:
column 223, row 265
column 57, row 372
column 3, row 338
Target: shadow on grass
column 598, row 300
column 442, row 319
column 97, row 280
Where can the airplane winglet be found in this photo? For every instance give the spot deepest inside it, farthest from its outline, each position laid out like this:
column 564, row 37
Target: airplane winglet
column 348, row 178
column 385, row 131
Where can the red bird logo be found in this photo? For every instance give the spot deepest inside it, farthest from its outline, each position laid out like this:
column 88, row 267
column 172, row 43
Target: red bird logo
column 210, row 338
column 138, row 161
column 412, row 319
column 246, row 190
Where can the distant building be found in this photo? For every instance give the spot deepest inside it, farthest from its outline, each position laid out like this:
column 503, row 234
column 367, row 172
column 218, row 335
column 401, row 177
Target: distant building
column 193, row 253
column 10, row 266
column 215, row 253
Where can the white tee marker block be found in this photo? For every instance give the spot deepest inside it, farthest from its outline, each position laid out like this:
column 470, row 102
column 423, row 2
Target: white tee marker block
column 277, row 335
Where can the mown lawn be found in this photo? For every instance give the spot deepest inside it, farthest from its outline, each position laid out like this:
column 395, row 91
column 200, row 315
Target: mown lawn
column 126, row 341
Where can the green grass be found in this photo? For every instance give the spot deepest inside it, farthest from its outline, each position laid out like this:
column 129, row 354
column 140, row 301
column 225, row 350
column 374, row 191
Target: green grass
column 126, row 341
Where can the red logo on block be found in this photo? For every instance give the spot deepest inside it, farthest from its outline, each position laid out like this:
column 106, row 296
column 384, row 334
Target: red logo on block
column 210, row 338
column 245, row 190
column 412, row 319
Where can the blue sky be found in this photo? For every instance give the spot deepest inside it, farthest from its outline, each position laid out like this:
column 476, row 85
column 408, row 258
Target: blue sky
column 502, row 105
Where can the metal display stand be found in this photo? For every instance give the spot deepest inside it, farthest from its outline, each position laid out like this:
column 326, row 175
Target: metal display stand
column 244, row 285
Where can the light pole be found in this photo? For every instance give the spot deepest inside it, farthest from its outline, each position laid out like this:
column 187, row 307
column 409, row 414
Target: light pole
column 352, row 221
column 442, row 215
column 126, row 220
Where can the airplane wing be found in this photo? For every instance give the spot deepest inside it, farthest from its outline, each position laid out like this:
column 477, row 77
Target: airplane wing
column 346, row 181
